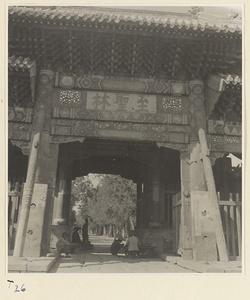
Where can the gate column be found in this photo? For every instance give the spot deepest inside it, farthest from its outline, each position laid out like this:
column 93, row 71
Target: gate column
column 156, row 185
column 197, row 232
column 34, row 226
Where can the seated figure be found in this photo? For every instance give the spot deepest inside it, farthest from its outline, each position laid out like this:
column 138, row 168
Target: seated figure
column 133, row 245
column 63, row 245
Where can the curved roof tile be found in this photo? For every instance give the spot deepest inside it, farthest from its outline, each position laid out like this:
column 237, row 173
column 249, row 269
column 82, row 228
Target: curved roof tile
column 100, row 15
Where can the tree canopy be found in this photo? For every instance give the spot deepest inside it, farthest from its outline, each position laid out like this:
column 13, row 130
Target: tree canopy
column 111, row 202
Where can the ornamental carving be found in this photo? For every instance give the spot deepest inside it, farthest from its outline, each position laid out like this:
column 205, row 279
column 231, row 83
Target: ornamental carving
column 24, row 145
column 20, row 114
column 91, row 128
column 172, row 104
column 215, row 155
column 80, row 113
column 225, row 127
column 69, row 97
column 175, row 146
column 102, row 83
column 65, row 139
column 225, row 143
column 196, row 108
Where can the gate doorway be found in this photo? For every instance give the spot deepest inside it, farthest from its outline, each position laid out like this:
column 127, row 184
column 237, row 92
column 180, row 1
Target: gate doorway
column 155, row 172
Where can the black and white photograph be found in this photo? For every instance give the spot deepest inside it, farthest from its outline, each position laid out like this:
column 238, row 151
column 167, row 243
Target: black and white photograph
column 125, row 140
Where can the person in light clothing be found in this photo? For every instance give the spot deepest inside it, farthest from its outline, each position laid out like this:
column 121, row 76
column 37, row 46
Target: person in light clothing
column 133, row 245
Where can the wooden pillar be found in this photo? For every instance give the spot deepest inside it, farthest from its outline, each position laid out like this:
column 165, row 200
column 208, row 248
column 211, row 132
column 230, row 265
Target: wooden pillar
column 215, row 212
column 162, row 196
column 156, row 182
column 147, row 196
column 60, row 196
column 186, row 242
column 36, row 210
column 61, row 209
column 196, row 202
column 139, row 206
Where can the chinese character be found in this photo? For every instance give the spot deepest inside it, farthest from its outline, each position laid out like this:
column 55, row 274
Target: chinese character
column 101, row 101
column 142, row 104
column 121, row 101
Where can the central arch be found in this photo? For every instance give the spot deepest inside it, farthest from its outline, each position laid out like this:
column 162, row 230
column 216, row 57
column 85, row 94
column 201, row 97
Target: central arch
column 156, row 172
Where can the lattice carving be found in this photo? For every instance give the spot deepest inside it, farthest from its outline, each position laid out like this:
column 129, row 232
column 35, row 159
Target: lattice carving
column 172, row 104
column 69, row 97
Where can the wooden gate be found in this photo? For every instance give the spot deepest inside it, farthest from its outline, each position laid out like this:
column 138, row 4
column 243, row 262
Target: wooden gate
column 231, row 215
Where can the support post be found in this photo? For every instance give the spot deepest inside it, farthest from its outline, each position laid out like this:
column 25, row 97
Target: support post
column 138, row 205
column 26, row 200
column 221, row 243
column 43, row 158
column 155, row 222
column 185, row 244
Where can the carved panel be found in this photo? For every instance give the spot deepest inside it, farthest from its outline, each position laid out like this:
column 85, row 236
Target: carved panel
column 81, row 113
column 20, row 114
column 175, row 146
column 196, row 108
column 224, row 143
column 69, row 97
column 225, row 127
column 24, row 145
column 215, row 155
column 121, row 102
column 172, row 104
column 65, row 139
column 101, row 83
column 120, row 130
column 19, row 131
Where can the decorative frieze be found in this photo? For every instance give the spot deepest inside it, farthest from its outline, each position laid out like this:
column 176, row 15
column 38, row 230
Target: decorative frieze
column 120, row 130
column 65, row 139
column 82, row 114
column 127, row 84
column 20, row 114
column 19, row 131
column 225, row 127
column 225, row 143
column 175, row 146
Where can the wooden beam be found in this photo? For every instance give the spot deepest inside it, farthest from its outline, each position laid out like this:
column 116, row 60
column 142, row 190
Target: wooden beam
column 215, row 212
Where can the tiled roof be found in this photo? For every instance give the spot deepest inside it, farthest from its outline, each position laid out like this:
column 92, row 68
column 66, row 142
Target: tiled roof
column 219, row 24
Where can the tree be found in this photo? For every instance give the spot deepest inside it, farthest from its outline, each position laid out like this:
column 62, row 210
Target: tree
column 115, row 202
column 111, row 203
column 83, row 191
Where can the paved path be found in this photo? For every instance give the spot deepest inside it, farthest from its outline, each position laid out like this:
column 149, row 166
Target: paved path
column 100, row 260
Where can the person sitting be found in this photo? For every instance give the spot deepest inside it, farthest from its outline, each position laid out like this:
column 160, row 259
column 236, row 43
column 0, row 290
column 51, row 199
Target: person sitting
column 63, row 245
column 116, row 245
column 133, row 245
